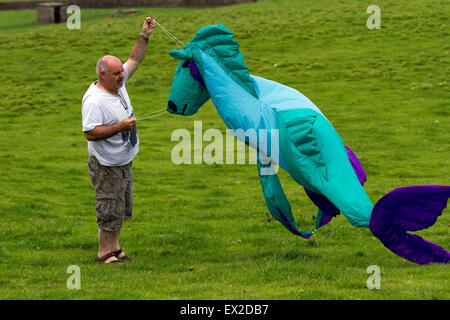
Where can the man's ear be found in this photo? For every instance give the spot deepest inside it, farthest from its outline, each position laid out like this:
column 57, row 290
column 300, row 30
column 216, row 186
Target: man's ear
column 181, row 55
column 102, row 74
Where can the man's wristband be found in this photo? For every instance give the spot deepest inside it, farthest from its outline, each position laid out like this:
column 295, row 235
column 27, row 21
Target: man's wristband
column 142, row 35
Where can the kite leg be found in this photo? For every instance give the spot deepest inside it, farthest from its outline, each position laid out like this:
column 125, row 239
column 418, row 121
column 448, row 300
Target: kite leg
column 327, row 210
column 316, row 158
column 276, row 200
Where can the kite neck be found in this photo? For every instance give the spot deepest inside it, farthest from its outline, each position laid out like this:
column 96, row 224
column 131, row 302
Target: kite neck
column 236, row 106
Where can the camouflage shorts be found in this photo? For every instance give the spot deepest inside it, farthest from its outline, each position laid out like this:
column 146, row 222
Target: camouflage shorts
column 114, row 194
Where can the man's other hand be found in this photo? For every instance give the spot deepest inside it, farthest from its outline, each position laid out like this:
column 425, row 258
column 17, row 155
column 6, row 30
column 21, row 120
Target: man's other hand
column 148, row 26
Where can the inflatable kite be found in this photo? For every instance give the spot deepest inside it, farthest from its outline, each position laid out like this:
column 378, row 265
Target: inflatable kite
column 309, row 148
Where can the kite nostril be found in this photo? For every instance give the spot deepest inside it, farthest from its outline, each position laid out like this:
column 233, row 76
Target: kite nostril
column 172, row 106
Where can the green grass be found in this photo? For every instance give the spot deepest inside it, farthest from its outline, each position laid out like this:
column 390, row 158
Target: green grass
column 199, row 231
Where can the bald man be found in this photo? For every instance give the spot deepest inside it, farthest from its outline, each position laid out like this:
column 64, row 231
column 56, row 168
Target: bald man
column 109, row 126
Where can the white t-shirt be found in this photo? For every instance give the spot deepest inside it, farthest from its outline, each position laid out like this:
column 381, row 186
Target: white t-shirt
column 100, row 108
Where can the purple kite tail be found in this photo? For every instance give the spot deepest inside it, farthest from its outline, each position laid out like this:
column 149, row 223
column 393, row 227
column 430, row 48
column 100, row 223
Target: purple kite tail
column 410, row 209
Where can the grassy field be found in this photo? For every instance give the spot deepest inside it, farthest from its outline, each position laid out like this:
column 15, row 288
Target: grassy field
column 201, row 231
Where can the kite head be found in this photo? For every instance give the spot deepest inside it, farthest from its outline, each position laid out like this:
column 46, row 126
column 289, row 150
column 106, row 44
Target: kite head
column 188, row 92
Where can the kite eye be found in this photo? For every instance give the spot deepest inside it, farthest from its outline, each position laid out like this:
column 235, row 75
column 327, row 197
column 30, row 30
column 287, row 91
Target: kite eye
column 186, row 64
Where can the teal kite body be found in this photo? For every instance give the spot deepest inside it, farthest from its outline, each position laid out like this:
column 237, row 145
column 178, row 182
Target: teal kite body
column 308, row 147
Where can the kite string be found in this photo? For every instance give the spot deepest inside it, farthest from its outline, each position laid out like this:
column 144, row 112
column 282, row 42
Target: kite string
column 153, row 112
column 180, row 45
column 171, row 36
column 314, row 237
column 153, row 116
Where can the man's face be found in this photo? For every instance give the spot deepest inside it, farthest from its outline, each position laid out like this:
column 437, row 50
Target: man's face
column 115, row 75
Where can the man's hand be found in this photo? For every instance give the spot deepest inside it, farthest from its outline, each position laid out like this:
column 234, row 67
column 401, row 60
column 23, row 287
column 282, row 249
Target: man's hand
column 148, row 26
column 127, row 124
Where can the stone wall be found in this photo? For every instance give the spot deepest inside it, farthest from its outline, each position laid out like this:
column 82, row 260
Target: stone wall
column 126, row 3
column 54, row 12
column 22, row 5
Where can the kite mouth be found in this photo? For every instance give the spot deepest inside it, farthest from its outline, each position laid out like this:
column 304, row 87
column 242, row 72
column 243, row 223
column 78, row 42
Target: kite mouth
column 184, row 109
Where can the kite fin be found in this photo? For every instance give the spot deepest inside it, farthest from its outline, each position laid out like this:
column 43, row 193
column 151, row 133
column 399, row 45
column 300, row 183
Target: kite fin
column 276, row 200
column 357, row 166
column 410, row 209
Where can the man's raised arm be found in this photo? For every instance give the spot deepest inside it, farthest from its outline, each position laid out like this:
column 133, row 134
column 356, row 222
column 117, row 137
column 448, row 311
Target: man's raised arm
column 139, row 49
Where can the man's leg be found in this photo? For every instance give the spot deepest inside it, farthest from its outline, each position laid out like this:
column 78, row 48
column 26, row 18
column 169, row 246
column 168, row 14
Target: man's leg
column 128, row 199
column 106, row 242
column 115, row 241
column 116, row 247
column 109, row 185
